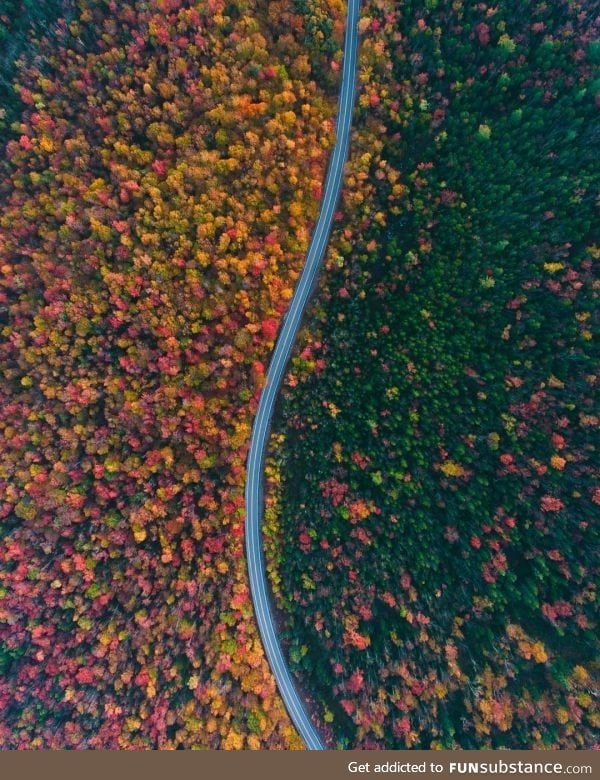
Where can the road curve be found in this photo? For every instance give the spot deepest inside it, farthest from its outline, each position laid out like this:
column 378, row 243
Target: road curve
column 279, row 360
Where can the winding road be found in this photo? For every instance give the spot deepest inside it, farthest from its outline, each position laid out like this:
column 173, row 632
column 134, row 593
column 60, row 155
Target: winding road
column 279, row 360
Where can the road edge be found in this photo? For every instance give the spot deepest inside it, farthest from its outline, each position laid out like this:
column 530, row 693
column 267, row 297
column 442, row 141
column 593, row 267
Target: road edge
column 280, row 357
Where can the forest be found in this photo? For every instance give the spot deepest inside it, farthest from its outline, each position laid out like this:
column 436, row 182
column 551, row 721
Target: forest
column 157, row 195
column 432, row 524
column 431, row 500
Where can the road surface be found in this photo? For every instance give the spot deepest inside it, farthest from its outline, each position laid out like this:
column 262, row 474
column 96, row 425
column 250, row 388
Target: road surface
column 279, row 360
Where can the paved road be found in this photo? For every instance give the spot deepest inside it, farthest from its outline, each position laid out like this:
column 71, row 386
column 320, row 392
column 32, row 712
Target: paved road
column 279, row 360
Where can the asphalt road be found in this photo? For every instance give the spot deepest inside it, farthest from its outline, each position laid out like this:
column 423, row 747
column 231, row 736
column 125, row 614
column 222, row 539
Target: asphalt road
column 279, row 360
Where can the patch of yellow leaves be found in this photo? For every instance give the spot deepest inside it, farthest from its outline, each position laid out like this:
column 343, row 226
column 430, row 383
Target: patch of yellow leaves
column 452, row 469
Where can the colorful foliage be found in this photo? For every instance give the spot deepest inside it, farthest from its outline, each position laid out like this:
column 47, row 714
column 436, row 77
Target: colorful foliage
column 435, row 541
column 160, row 191
column 23, row 24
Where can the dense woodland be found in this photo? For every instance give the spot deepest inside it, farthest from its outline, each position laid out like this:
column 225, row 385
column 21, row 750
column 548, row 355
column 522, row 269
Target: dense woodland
column 158, row 192
column 430, row 526
column 433, row 523
column 22, row 24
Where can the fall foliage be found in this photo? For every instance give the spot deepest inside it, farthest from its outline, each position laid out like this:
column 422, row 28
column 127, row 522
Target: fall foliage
column 432, row 531
column 430, row 521
column 159, row 191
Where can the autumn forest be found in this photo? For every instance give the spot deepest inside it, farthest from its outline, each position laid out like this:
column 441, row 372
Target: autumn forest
column 431, row 489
